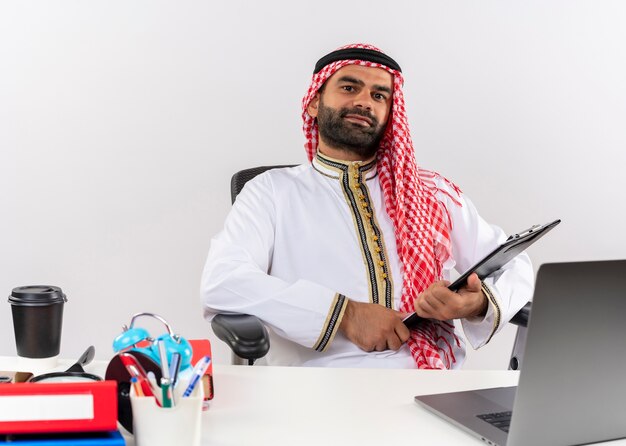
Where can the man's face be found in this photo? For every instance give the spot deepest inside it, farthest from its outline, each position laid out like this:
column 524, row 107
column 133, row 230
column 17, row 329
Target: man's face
column 353, row 108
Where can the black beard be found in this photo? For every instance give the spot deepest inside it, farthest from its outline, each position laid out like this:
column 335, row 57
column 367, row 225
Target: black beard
column 343, row 135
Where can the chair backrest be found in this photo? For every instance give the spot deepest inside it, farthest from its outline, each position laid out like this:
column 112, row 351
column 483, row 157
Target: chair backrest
column 246, row 336
column 239, row 180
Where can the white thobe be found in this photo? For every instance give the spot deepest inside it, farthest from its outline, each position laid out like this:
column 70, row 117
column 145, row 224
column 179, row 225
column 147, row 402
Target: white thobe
column 295, row 247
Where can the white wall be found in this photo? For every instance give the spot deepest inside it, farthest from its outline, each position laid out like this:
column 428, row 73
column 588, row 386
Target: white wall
column 121, row 123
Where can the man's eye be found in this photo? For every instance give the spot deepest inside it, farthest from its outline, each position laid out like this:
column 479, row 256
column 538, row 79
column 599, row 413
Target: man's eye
column 348, row 88
column 379, row 97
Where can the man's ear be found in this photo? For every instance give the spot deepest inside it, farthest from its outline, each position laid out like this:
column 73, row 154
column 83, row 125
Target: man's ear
column 312, row 109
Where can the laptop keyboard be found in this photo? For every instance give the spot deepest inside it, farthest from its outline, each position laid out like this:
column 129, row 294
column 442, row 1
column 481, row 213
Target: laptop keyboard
column 501, row 420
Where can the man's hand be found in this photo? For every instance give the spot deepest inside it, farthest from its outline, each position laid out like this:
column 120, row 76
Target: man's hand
column 438, row 302
column 373, row 327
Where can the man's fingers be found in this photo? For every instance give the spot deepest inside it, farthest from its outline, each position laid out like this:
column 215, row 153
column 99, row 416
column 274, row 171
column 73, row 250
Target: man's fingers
column 403, row 333
column 473, row 283
column 394, row 343
column 439, row 284
column 424, row 307
column 373, row 327
column 439, row 297
column 438, row 302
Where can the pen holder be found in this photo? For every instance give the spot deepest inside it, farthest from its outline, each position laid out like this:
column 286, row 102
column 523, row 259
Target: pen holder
column 167, row 426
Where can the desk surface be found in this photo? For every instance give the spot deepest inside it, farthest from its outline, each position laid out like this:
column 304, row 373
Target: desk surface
column 314, row 406
column 335, row 406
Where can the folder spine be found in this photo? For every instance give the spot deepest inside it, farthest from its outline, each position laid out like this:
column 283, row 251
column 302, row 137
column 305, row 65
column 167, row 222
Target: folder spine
column 80, row 407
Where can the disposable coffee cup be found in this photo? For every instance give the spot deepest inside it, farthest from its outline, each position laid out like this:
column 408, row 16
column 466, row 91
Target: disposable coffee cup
column 37, row 322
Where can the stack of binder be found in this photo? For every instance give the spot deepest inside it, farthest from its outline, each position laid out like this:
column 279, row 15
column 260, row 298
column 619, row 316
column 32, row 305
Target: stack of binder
column 53, row 414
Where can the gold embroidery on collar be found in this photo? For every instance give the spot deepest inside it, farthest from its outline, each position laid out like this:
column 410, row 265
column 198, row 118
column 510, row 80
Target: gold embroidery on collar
column 333, row 168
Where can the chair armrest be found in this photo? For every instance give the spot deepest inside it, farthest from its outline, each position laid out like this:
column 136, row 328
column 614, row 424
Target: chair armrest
column 244, row 334
column 521, row 318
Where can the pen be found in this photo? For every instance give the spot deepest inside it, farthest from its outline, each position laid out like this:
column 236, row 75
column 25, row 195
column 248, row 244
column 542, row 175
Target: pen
column 174, row 368
column 165, row 371
column 144, row 388
column 197, row 373
column 165, row 379
column 152, row 379
column 135, row 383
column 166, row 391
column 135, row 369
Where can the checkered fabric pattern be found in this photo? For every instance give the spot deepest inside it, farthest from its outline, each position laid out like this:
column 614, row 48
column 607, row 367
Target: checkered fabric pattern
column 421, row 222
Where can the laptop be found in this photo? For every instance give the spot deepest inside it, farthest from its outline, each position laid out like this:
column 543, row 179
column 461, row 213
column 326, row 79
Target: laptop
column 572, row 385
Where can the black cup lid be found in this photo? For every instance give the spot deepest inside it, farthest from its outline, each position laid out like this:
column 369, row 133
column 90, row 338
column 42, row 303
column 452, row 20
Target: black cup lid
column 36, row 295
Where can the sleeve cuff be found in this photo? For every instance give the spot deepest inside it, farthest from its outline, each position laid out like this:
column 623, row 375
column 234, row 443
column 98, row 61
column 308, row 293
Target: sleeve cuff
column 497, row 314
column 331, row 325
column 480, row 330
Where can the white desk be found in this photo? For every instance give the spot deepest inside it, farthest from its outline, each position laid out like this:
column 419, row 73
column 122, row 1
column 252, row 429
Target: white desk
column 316, row 406
column 304, row 406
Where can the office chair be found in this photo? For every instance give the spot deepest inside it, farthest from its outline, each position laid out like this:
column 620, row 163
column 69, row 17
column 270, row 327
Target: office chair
column 248, row 338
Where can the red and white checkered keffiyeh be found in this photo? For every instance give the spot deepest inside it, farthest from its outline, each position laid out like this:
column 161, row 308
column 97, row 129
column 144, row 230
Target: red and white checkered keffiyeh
column 421, row 222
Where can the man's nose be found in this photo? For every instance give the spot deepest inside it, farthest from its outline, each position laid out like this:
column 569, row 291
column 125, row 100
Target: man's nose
column 363, row 100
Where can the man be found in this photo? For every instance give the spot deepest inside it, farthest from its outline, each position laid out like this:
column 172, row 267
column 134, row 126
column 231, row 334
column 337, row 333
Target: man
column 332, row 255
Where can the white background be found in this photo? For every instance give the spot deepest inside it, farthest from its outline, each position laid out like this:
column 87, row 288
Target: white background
column 121, row 123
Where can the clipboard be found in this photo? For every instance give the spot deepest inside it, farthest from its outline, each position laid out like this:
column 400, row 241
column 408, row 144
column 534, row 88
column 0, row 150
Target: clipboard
column 495, row 260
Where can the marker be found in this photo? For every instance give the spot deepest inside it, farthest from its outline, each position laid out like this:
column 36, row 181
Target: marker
column 197, row 373
column 166, row 391
column 175, row 368
column 165, row 379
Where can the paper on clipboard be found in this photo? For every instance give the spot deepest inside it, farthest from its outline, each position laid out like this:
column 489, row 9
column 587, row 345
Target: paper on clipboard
column 495, row 260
